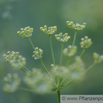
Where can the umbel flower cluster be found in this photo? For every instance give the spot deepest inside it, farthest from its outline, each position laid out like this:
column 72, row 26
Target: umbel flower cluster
column 11, row 82
column 50, row 30
column 70, row 51
column 85, row 42
column 37, row 53
column 60, row 76
column 76, row 26
column 62, row 38
column 16, row 60
column 25, row 32
column 38, row 81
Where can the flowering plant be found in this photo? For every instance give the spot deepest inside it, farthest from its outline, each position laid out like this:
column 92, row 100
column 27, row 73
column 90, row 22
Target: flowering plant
column 59, row 77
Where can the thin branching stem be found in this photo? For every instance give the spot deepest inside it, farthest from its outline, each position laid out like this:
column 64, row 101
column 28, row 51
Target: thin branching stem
column 90, row 67
column 82, row 53
column 61, row 53
column 44, row 67
column 74, row 38
column 64, row 80
column 25, row 89
column 52, row 50
column 47, row 71
column 67, row 85
column 68, row 61
column 25, row 69
column 42, row 62
column 32, row 43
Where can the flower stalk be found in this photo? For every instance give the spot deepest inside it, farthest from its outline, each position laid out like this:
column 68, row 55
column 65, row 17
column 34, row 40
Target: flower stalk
column 90, row 67
column 25, row 89
column 52, row 50
column 61, row 53
column 26, row 70
column 44, row 67
column 74, row 38
column 58, row 93
column 82, row 53
column 32, row 44
column 68, row 61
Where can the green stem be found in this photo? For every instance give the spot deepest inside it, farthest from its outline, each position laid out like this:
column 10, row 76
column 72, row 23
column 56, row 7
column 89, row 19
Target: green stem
column 45, row 68
column 90, row 67
column 74, row 38
column 58, row 92
column 68, row 61
column 72, row 46
column 31, row 43
column 24, row 69
column 25, row 89
column 82, row 52
column 57, row 80
column 66, row 85
column 61, row 53
column 64, row 80
column 47, row 71
column 52, row 50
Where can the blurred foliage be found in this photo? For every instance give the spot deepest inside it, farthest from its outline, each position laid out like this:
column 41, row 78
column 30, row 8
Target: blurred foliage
column 6, row 8
column 37, row 13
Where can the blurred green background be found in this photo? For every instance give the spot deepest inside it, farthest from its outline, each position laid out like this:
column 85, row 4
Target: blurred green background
column 16, row 14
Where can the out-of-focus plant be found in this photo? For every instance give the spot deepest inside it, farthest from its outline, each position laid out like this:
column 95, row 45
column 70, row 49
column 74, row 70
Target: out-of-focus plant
column 6, row 8
column 59, row 77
